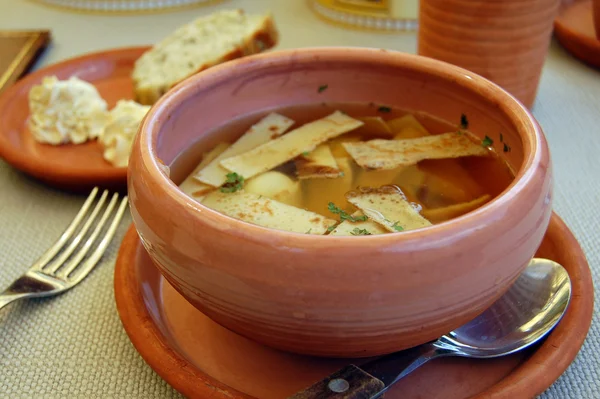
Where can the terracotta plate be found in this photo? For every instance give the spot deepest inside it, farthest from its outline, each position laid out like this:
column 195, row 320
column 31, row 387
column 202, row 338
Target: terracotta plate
column 574, row 29
column 201, row 359
column 71, row 167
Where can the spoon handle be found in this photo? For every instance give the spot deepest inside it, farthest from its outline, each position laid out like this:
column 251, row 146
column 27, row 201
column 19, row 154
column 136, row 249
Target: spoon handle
column 349, row 382
column 372, row 379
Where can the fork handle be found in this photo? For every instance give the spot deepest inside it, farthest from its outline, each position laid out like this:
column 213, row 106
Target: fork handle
column 6, row 298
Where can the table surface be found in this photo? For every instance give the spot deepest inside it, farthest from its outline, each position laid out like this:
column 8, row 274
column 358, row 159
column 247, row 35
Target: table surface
column 74, row 346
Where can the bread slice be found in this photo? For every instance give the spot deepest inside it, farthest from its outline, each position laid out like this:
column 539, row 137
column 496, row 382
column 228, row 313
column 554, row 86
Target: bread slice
column 205, row 42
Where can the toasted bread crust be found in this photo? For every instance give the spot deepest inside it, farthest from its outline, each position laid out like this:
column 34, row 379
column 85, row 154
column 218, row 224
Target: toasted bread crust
column 264, row 38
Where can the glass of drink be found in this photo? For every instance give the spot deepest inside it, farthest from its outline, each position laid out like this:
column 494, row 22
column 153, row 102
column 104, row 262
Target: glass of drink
column 383, row 15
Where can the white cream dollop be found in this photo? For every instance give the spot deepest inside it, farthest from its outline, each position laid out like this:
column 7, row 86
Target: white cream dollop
column 123, row 123
column 66, row 111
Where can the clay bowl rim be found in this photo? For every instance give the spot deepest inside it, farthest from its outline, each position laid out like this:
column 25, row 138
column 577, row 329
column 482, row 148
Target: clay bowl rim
column 531, row 136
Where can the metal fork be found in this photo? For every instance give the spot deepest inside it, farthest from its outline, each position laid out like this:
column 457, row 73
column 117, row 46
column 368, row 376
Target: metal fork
column 60, row 267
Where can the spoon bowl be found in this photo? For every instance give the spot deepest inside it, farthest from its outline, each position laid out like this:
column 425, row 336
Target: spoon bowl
column 525, row 314
column 532, row 306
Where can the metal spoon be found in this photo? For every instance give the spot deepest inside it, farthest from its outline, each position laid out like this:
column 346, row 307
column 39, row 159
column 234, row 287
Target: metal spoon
column 521, row 317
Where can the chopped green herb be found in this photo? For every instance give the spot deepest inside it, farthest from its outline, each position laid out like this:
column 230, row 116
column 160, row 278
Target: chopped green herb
column 342, row 174
column 331, row 228
column 233, row 183
column 487, row 141
column 383, row 108
column 464, row 122
column 305, row 153
column 323, row 88
column 506, row 148
column 501, row 138
column 334, row 209
column 344, row 215
column 360, row 232
column 397, row 227
column 309, row 230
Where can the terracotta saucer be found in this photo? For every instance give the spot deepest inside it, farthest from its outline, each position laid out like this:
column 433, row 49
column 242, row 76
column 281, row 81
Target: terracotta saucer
column 574, row 29
column 70, row 167
column 201, row 359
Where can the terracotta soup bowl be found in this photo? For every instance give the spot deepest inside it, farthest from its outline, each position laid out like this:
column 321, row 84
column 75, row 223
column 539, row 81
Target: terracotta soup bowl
column 596, row 8
column 338, row 296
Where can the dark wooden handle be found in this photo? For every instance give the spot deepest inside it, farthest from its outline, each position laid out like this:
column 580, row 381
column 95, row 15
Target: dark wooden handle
column 347, row 383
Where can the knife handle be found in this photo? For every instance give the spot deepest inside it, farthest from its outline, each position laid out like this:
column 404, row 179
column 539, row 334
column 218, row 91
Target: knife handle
column 348, row 383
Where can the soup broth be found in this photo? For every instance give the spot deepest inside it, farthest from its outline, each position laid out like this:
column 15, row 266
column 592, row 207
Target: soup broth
column 334, row 186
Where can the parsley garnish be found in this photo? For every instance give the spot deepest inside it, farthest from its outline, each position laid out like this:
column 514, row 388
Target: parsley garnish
column 383, row 108
column 487, row 141
column 233, row 183
column 360, row 232
column 331, row 228
column 305, row 153
column 397, row 227
column 309, row 230
column 323, row 88
column 344, row 215
column 464, row 122
column 506, row 148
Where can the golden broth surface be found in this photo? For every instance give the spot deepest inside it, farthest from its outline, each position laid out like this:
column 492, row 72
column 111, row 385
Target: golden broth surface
column 432, row 184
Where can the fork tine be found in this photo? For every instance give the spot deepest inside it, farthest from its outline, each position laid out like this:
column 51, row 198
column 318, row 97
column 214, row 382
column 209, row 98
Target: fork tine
column 81, row 271
column 64, row 255
column 66, row 235
column 89, row 264
column 68, row 268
